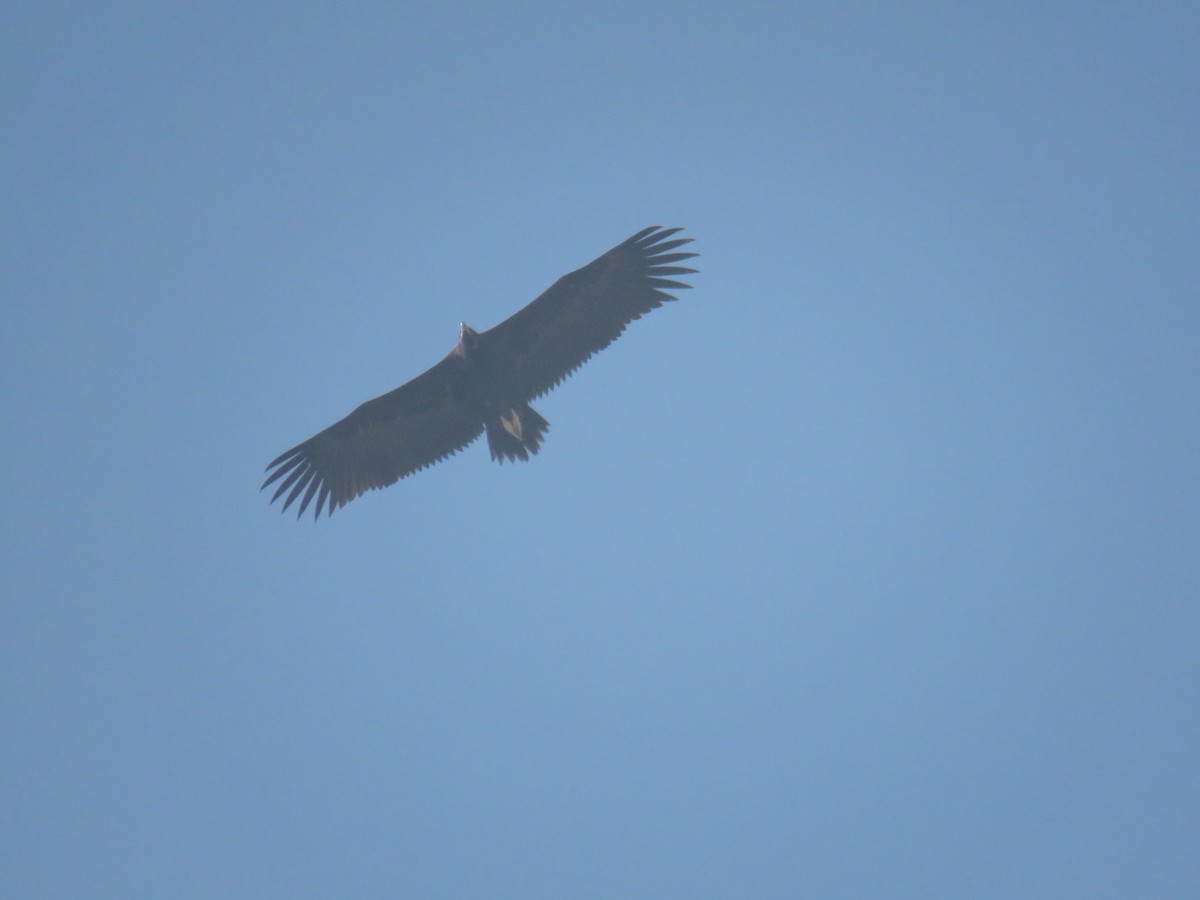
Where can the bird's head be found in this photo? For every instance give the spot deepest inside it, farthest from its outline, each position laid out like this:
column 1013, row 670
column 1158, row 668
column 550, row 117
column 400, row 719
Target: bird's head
column 467, row 337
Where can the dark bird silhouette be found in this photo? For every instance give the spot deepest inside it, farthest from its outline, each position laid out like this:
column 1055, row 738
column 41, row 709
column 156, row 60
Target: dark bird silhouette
column 487, row 381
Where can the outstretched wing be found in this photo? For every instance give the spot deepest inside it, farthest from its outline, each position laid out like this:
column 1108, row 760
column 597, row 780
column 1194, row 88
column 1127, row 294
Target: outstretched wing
column 379, row 443
column 585, row 311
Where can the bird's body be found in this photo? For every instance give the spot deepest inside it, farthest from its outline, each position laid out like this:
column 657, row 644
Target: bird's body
column 486, row 382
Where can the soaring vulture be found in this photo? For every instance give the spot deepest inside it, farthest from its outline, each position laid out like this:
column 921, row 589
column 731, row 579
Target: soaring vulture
column 487, row 381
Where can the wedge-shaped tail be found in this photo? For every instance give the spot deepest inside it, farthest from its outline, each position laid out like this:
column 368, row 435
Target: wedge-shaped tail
column 516, row 433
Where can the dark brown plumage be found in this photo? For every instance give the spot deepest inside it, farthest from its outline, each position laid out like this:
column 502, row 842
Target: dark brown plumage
column 487, row 381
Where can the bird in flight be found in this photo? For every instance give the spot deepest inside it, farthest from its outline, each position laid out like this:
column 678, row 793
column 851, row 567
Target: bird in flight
column 486, row 382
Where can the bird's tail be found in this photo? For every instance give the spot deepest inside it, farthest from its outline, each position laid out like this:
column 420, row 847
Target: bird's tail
column 515, row 433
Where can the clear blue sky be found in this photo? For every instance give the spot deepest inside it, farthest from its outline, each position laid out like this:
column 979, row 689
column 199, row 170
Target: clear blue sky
column 870, row 568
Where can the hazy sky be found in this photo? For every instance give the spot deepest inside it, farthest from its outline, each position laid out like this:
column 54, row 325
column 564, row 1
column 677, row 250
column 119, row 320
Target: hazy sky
column 869, row 568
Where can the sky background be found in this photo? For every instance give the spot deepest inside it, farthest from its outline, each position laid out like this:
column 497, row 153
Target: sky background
column 869, row 568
